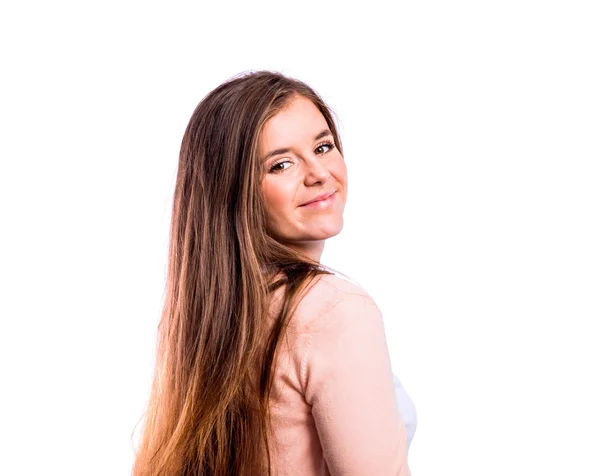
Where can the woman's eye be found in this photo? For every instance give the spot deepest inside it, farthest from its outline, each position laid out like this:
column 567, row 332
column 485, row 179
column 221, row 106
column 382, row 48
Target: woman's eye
column 329, row 145
column 321, row 149
column 276, row 167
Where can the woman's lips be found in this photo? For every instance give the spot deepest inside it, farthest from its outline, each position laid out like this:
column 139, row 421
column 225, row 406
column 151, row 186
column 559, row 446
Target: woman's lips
column 319, row 204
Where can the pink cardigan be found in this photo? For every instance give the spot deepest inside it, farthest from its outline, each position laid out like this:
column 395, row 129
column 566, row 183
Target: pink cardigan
column 334, row 409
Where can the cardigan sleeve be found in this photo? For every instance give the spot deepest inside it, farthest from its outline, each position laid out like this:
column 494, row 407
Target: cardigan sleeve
column 349, row 385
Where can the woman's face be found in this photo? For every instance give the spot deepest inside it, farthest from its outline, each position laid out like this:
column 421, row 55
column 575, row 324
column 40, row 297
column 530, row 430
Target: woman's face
column 301, row 164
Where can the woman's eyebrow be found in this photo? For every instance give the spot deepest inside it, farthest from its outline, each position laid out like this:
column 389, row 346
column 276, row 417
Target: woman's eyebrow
column 285, row 150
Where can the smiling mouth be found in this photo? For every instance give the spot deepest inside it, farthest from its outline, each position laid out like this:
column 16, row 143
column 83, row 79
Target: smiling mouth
column 320, row 200
column 320, row 203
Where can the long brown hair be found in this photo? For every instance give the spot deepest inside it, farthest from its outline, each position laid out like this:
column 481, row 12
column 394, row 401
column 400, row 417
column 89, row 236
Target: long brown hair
column 208, row 411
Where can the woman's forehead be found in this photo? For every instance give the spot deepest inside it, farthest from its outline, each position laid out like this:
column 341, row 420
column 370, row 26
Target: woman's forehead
column 301, row 121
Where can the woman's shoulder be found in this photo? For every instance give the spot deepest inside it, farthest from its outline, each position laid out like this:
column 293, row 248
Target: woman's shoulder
column 340, row 284
column 331, row 293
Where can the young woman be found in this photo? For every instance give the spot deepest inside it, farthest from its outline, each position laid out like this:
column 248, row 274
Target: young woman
column 268, row 363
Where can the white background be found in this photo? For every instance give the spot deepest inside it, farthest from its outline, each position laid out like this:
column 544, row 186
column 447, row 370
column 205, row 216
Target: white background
column 471, row 133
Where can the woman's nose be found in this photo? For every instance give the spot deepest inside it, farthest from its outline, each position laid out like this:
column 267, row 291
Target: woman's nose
column 316, row 172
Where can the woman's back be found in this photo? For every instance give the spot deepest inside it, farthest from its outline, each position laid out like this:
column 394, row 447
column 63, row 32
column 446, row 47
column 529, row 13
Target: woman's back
column 333, row 403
